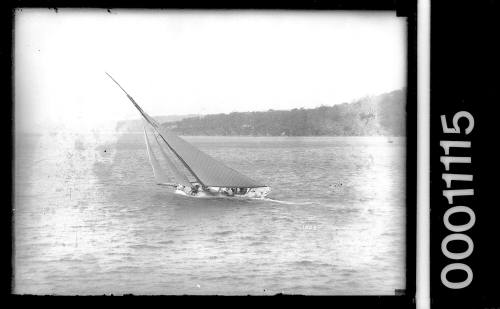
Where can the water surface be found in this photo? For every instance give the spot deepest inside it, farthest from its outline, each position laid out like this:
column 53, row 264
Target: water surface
column 90, row 220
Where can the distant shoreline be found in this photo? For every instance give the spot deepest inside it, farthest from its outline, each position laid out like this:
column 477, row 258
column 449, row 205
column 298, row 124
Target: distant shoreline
column 282, row 136
column 215, row 136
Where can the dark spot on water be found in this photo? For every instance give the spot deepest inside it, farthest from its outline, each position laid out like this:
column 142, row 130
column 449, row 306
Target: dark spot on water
column 304, row 263
column 143, row 247
column 217, row 241
column 166, row 242
column 223, row 233
column 248, row 238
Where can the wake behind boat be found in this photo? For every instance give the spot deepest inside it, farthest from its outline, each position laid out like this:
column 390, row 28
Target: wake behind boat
column 194, row 172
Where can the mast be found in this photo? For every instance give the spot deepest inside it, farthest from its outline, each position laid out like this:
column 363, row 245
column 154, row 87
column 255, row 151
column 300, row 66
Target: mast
column 156, row 126
column 150, row 120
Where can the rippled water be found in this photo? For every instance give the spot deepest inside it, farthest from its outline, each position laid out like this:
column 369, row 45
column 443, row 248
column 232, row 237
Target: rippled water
column 90, row 220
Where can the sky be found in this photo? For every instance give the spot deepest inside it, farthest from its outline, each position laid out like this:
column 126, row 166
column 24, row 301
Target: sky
column 176, row 62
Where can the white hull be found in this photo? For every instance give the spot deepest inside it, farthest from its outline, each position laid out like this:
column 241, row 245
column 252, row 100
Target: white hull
column 247, row 193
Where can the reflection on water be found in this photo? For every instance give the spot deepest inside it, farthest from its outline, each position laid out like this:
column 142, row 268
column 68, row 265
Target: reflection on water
column 89, row 219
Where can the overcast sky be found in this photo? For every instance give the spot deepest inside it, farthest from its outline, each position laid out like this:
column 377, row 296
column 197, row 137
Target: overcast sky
column 194, row 62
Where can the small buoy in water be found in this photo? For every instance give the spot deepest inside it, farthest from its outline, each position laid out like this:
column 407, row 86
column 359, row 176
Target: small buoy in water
column 198, row 286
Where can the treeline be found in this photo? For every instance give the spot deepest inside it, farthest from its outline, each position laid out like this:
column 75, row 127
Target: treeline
column 136, row 125
column 384, row 114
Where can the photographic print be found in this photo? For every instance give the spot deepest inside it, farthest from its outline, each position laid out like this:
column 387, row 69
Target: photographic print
column 209, row 152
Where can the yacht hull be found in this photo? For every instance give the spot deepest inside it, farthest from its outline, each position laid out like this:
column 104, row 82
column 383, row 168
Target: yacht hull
column 243, row 193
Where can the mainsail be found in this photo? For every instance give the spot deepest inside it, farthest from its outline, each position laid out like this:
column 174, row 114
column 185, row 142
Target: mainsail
column 208, row 171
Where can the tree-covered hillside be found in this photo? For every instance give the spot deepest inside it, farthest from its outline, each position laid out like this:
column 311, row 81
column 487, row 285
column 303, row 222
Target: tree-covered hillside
column 384, row 114
column 136, row 125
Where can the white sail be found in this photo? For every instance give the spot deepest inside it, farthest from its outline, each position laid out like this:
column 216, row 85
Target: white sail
column 179, row 177
column 208, row 171
column 160, row 176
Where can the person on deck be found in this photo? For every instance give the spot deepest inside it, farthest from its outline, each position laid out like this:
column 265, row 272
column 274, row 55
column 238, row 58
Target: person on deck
column 195, row 189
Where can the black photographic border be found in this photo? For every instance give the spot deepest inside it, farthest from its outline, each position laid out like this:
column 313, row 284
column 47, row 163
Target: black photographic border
column 465, row 66
column 407, row 9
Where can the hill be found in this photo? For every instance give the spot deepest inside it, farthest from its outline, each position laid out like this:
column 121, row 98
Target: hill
column 383, row 114
column 136, row 125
